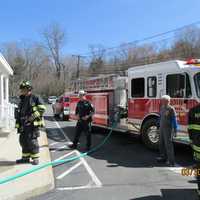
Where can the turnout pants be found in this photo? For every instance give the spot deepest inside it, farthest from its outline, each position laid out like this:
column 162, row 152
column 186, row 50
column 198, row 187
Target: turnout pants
column 29, row 143
column 166, row 144
column 83, row 126
column 196, row 156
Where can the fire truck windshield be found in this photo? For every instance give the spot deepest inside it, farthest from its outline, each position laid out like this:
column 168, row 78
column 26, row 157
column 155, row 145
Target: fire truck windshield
column 197, row 83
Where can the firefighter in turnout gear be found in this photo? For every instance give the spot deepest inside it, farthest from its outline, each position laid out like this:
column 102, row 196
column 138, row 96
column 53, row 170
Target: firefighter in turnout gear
column 194, row 134
column 84, row 112
column 28, row 121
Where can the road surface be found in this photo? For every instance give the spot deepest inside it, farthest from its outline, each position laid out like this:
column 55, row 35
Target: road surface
column 123, row 169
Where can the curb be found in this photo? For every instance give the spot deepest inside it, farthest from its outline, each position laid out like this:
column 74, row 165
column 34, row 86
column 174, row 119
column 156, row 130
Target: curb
column 20, row 190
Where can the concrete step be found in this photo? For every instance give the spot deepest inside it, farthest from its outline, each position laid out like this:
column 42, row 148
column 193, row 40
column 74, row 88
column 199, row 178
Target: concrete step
column 3, row 133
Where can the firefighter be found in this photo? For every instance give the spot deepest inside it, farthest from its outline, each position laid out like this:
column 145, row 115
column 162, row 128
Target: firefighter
column 28, row 121
column 194, row 134
column 84, row 112
column 167, row 130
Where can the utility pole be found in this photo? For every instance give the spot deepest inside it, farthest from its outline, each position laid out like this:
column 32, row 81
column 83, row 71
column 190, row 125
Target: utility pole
column 78, row 70
column 78, row 65
column 29, row 73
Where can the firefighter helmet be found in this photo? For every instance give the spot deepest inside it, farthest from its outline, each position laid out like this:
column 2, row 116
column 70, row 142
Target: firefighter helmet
column 25, row 84
column 82, row 93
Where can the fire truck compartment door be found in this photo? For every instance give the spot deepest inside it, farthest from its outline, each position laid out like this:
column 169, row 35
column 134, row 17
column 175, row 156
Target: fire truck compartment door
column 72, row 106
column 100, row 103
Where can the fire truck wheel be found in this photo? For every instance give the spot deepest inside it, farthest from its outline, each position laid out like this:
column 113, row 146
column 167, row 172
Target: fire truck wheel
column 150, row 134
column 61, row 116
column 56, row 115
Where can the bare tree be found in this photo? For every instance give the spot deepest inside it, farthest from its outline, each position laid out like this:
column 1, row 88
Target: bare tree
column 187, row 43
column 97, row 61
column 27, row 59
column 54, row 39
column 14, row 56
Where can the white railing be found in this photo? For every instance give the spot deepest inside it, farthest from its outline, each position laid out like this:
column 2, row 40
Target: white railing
column 7, row 119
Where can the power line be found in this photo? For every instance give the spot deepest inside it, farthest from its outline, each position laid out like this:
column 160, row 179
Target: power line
column 111, row 55
column 120, row 66
column 146, row 38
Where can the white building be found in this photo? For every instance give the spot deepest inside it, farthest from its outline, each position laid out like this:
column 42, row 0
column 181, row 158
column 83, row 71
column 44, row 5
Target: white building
column 6, row 109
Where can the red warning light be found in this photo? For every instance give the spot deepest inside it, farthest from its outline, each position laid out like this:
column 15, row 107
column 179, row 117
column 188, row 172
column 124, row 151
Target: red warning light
column 193, row 61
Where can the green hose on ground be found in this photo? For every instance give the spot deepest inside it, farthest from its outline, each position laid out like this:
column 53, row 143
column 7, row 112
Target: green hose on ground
column 54, row 163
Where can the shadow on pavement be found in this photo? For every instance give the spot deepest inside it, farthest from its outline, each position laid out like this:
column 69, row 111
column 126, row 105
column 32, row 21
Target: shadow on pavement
column 44, row 146
column 172, row 194
column 121, row 149
column 49, row 118
column 7, row 163
column 55, row 134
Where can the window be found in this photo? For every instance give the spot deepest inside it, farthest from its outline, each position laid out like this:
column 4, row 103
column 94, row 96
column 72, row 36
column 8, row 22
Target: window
column 137, row 87
column 188, row 87
column 176, row 85
column 197, row 83
column 152, row 86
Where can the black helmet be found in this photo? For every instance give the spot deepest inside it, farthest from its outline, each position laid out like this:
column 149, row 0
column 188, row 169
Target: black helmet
column 25, row 84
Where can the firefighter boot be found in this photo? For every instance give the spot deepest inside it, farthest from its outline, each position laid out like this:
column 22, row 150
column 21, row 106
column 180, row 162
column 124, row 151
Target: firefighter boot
column 23, row 161
column 35, row 161
column 198, row 193
column 88, row 148
column 161, row 159
column 170, row 164
column 72, row 146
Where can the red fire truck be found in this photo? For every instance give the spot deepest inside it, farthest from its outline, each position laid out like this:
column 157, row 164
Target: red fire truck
column 133, row 101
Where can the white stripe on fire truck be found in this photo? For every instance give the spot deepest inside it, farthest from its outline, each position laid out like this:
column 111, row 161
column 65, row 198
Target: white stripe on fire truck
column 101, row 116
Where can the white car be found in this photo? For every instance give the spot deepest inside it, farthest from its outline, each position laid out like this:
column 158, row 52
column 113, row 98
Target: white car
column 52, row 99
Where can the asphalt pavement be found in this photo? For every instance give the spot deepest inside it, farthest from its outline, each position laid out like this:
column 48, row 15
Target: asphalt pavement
column 122, row 169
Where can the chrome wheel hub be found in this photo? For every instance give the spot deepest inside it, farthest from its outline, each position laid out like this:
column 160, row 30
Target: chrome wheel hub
column 153, row 134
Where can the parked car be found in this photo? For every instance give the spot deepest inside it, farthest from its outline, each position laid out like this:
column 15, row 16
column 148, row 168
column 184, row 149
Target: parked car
column 52, row 99
column 61, row 108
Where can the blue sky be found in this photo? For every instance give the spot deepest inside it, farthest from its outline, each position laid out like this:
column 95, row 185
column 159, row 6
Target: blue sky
column 106, row 22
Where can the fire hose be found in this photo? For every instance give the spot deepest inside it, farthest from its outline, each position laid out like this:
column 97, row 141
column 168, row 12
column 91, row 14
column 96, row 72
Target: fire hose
column 57, row 162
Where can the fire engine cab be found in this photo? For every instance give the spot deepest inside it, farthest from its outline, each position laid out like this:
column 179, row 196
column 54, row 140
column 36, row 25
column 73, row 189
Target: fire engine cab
column 132, row 102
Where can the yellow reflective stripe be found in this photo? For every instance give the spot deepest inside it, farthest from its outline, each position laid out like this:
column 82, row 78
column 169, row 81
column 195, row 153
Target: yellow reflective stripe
column 26, row 154
column 16, row 125
column 194, row 127
column 34, row 108
column 39, row 123
column 36, row 123
column 36, row 114
column 196, row 156
column 42, row 107
column 196, row 148
column 35, row 155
